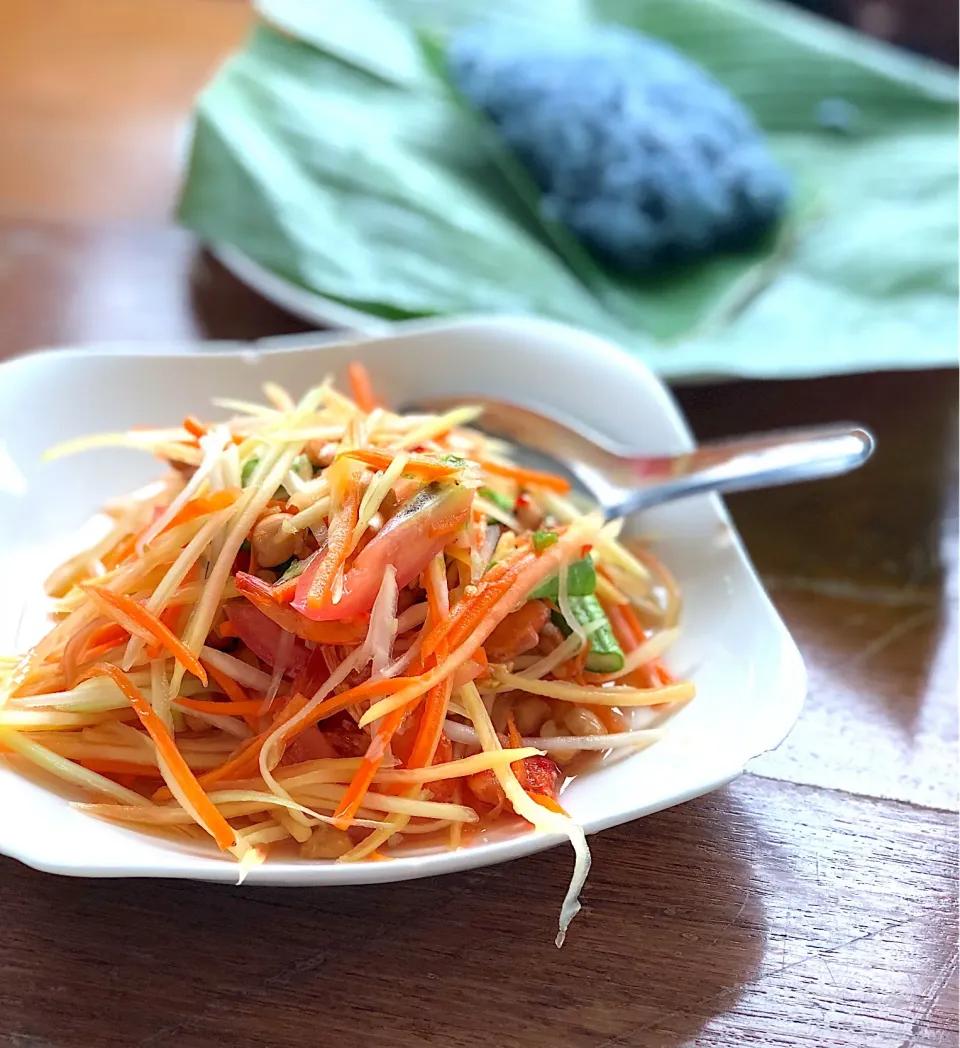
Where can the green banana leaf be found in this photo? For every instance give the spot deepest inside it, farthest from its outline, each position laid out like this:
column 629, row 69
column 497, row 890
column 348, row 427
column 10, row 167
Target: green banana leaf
column 332, row 153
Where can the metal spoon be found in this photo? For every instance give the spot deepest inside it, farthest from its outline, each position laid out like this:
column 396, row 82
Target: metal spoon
column 622, row 482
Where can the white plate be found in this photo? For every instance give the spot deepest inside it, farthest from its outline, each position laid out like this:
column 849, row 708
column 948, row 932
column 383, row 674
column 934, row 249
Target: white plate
column 749, row 674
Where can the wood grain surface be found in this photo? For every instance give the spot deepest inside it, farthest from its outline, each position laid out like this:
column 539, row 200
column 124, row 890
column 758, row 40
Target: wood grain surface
column 811, row 903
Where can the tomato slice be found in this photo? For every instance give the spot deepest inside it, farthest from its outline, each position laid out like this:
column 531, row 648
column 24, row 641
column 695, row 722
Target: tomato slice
column 409, row 541
column 261, row 595
column 263, row 637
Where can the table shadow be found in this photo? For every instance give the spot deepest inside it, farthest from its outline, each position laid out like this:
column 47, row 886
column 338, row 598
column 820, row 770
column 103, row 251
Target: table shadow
column 673, row 928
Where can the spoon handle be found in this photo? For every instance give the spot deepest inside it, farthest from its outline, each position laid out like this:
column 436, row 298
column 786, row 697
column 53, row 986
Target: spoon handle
column 758, row 461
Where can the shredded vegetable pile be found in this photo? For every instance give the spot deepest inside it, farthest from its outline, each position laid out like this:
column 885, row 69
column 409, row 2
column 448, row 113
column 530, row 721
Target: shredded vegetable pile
column 334, row 631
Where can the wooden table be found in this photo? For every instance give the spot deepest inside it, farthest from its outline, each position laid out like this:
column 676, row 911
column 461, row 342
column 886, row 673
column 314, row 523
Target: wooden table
column 812, row 902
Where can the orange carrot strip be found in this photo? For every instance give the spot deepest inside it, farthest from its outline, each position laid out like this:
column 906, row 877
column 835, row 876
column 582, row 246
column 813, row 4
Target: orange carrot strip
column 416, row 465
column 548, row 802
column 245, row 762
column 284, row 592
column 516, row 741
column 469, row 612
column 122, row 550
column 228, row 685
column 235, row 694
column 631, row 634
column 137, row 620
column 338, row 544
column 372, row 759
column 194, row 427
column 626, row 627
column 251, row 707
column 438, row 592
column 531, row 570
column 630, row 617
column 666, row 677
column 80, row 649
column 611, row 720
column 211, row 819
column 652, row 675
column 108, row 767
column 198, row 429
column 226, row 629
column 431, row 726
column 439, row 633
column 361, row 387
column 170, row 617
column 92, row 654
column 204, row 505
column 107, row 634
column 533, row 478
column 370, row 689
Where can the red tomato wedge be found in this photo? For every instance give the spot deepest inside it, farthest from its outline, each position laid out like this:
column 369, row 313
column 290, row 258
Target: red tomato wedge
column 262, row 636
column 261, row 596
column 409, row 541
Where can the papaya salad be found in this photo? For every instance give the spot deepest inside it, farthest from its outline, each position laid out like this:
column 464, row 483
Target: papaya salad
column 331, row 631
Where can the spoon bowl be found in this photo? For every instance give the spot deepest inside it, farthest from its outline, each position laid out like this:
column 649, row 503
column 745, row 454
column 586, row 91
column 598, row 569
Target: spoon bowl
column 622, row 482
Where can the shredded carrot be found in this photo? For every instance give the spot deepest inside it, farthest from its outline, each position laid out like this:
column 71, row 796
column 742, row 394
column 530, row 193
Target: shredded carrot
column 200, row 506
column 194, row 427
column 614, row 722
column 204, row 505
column 92, row 654
column 469, row 612
column 516, row 741
column 236, row 695
column 245, row 762
column 95, row 645
column 416, row 465
column 284, row 592
column 361, row 387
column 653, row 674
column 666, row 677
column 227, row 684
column 137, row 620
column 630, row 633
column 372, row 759
column 431, row 726
column 436, row 639
column 376, row 856
column 626, row 627
column 532, row 478
column 226, row 629
column 197, row 429
column 109, row 634
column 338, row 544
column 438, row 595
column 636, row 626
column 119, row 768
column 123, row 549
column 549, row 803
column 213, row 822
column 336, row 703
column 170, row 617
